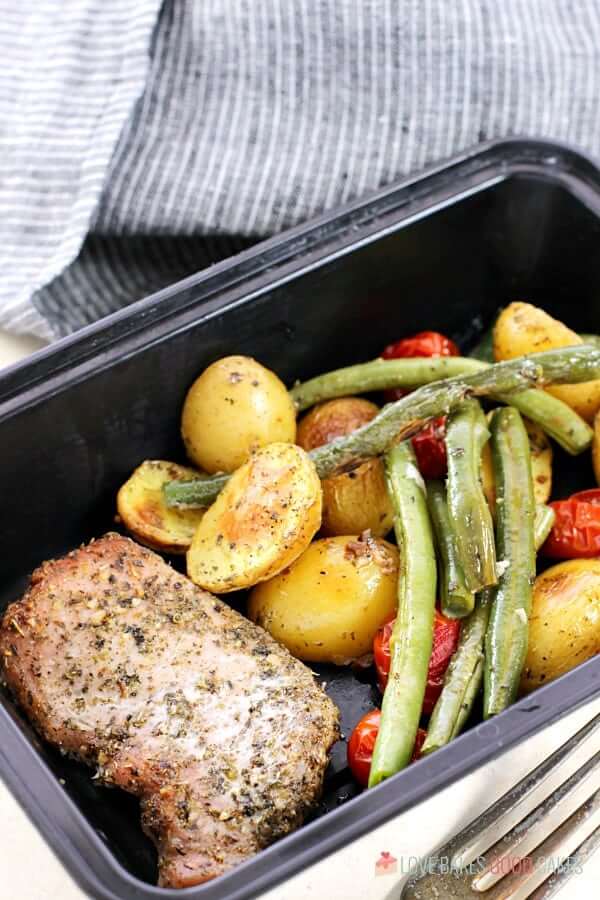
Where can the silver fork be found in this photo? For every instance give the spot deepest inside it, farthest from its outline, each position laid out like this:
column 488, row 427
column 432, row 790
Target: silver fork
column 531, row 840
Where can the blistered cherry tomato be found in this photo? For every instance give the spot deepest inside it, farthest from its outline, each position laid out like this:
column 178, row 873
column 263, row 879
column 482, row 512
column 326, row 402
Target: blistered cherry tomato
column 362, row 741
column 430, row 449
column 592, row 495
column 446, row 633
column 361, row 744
column 425, row 343
column 576, row 530
column 429, row 442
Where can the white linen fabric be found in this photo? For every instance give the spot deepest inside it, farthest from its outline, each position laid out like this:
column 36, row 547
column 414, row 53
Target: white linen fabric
column 141, row 141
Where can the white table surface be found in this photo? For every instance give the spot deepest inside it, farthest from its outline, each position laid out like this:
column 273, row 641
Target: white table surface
column 30, row 871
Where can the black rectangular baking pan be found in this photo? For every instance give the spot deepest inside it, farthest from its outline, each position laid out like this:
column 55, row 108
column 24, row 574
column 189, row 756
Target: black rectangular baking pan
column 514, row 219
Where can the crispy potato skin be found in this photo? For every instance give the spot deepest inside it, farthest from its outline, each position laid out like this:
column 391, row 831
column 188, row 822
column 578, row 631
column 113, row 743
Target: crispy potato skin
column 564, row 627
column 235, row 407
column 329, row 604
column 263, row 519
column 335, row 418
column 523, row 328
column 144, row 513
column 354, row 501
column 541, row 466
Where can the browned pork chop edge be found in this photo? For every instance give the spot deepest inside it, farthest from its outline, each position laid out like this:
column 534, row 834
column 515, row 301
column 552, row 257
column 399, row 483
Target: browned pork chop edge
column 123, row 663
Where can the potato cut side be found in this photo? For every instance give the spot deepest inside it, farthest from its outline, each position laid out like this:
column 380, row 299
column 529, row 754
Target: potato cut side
column 263, row 519
column 144, row 513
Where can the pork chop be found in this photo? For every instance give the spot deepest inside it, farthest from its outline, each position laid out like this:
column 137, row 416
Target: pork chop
column 125, row 664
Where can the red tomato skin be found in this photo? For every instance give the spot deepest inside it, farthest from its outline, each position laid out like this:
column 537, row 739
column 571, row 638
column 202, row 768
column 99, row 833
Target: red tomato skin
column 424, row 343
column 576, row 531
column 430, row 449
column 419, row 741
column 362, row 741
column 591, row 495
column 381, row 652
column 446, row 633
column 361, row 744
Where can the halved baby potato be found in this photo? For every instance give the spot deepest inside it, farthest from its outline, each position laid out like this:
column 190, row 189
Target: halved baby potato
column 354, row 501
column 564, row 625
column 522, row 328
column 144, row 513
column 263, row 519
column 329, row 604
column 541, row 466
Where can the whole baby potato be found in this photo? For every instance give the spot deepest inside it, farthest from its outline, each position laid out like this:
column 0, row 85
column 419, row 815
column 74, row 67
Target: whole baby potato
column 522, row 328
column 352, row 501
column 564, row 626
column 328, row 605
column 333, row 419
column 235, row 407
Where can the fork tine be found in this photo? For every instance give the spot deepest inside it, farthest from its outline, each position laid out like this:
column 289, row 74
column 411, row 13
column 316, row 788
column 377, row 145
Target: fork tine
column 527, row 795
column 551, row 854
column 542, row 823
column 572, row 773
column 576, row 861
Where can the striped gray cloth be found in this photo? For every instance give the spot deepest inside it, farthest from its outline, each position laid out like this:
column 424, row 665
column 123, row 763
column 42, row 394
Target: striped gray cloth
column 142, row 140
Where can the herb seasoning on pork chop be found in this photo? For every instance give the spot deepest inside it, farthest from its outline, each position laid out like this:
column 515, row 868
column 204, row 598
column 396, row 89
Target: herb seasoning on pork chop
column 120, row 661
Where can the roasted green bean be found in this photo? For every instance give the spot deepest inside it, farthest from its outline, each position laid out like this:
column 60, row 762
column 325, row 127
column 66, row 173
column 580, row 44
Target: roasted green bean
column 455, row 599
column 557, row 419
column 412, row 634
column 464, row 675
column 469, row 697
column 468, row 510
column 379, row 375
column 542, row 524
column 506, row 637
column 463, row 678
column 402, row 418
